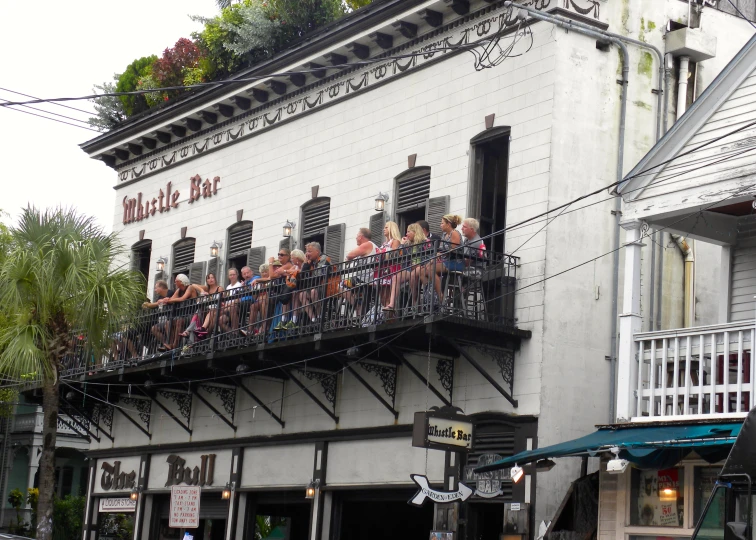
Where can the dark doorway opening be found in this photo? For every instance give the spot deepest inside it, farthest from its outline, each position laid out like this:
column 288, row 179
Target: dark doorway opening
column 484, row 520
column 388, row 515
column 140, row 258
column 319, row 238
column 237, row 262
column 488, row 194
column 408, row 217
column 277, row 515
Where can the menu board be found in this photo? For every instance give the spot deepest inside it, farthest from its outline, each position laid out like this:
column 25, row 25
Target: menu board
column 659, row 498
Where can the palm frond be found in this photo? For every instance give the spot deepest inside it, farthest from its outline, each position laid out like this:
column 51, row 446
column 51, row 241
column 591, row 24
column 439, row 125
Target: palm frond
column 23, row 347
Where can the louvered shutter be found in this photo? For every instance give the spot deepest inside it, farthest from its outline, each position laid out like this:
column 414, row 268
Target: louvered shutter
column 197, row 273
column 135, row 260
column 437, row 208
column 377, row 222
column 239, row 238
column 183, row 256
column 286, row 243
column 255, row 257
column 334, row 242
column 213, row 267
column 315, row 218
column 493, row 439
column 413, row 192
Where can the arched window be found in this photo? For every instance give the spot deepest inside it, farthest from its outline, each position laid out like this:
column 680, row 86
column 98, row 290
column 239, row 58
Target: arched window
column 141, row 252
column 487, row 192
column 183, row 257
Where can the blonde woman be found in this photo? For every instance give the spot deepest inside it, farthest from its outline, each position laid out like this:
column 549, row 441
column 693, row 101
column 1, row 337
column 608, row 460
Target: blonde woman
column 392, row 239
column 412, row 247
column 449, row 258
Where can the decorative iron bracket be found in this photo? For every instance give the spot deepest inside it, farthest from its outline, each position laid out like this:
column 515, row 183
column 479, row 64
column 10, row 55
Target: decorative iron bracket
column 76, row 426
column 226, row 394
column 260, row 402
column 85, row 420
column 326, row 380
column 445, row 371
column 474, row 363
column 387, row 375
column 400, row 356
column 143, row 408
column 210, row 390
column 504, row 359
column 184, row 402
column 390, row 381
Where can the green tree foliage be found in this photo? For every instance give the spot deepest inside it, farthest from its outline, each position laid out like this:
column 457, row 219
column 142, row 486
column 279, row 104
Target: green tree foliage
column 299, row 17
column 357, row 4
column 68, row 516
column 171, row 68
column 109, row 109
column 61, row 274
column 217, row 60
column 129, row 81
column 254, row 31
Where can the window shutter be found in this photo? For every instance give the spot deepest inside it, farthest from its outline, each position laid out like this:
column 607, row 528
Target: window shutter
column 197, row 273
column 239, row 238
column 286, row 243
column 183, row 256
column 315, row 217
column 493, row 439
column 135, row 260
column 437, row 208
column 213, row 266
column 334, row 242
column 377, row 222
column 412, row 192
column 255, row 257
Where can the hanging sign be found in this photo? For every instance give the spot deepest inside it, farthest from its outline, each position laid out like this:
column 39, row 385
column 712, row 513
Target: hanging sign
column 488, row 484
column 442, row 431
column 185, row 507
column 117, row 504
column 425, row 492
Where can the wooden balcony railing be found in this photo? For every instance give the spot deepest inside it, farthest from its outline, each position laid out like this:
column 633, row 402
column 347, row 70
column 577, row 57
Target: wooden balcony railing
column 479, row 289
column 704, row 371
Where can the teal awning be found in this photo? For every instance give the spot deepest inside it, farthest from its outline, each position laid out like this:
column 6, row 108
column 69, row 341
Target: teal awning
column 646, row 446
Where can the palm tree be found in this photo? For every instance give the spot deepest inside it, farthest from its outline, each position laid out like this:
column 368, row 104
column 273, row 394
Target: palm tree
column 60, row 274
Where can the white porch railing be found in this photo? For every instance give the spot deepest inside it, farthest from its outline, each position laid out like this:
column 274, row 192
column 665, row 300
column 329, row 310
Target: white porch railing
column 703, row 371
column 33, row 422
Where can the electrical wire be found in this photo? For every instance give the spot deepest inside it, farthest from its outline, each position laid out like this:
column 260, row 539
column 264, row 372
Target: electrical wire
column 48, row 118
column 35, row 97
column 50, row 112
column 741, row 13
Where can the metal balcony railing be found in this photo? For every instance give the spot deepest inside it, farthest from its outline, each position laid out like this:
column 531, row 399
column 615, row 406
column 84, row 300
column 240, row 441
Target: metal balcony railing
column 463, row 284
column 696, row 371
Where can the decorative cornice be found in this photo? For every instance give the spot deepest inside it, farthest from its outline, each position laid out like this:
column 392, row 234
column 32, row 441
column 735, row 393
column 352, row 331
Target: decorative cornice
column 333, row 89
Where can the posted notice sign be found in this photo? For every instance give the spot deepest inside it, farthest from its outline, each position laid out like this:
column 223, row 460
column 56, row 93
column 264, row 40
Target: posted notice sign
column 185, row 507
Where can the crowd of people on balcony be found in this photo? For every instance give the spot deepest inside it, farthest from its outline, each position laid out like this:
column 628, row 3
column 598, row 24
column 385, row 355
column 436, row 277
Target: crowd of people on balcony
column 290, row 290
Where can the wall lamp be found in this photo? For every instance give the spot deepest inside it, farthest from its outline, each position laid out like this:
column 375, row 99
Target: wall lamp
column 288, row 228
column 516, row 473
column 160, row 265
column 228, row 490
column 312, row 489
column 215, row 248
column 380, row 201
column 135, row 493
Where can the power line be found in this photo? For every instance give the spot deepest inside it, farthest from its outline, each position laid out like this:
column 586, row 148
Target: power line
column 48, row 118
column 50, row 112
column 34, row 97
column 741, row 13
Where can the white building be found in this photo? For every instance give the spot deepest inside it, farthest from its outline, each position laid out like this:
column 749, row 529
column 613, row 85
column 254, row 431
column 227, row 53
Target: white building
column 501, row 137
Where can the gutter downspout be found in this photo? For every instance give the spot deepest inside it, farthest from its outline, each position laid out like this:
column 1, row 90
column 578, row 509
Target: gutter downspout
column 617, row 40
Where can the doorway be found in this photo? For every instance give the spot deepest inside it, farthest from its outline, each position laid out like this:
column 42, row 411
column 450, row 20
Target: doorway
column 488, row 189
column 140, row 258
column 358, row 515
column 485, row 520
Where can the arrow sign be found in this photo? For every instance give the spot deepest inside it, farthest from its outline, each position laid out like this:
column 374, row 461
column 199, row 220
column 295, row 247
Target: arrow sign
column 425, row 492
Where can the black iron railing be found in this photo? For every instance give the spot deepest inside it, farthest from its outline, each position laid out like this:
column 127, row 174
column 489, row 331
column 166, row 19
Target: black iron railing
column 409, row 283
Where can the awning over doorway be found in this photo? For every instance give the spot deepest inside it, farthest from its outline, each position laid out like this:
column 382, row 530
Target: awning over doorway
column 645, row 446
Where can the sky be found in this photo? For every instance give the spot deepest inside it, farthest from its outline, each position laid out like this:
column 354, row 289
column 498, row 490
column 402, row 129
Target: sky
column 61, row 49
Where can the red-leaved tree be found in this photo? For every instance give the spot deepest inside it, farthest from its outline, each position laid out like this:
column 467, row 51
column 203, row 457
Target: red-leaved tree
column 171, row 68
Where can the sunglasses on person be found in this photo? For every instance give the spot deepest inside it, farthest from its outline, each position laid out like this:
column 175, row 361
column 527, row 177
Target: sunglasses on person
column 283, row 254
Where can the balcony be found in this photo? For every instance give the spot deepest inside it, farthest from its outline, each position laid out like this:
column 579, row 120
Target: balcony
column 690, row 373
column 337, row 306
column 33, row 422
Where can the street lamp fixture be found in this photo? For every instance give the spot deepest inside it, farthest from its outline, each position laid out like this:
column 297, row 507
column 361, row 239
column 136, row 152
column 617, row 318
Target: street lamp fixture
column 288, row 228
column 161, row 262
column 516, row 473
column 215, row 248
column 135, row 493
column 228, row 490
column 312, row 489
column 380, row 201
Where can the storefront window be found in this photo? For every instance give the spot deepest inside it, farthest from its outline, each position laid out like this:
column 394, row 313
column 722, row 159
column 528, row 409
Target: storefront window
column 657, row 498
column 116, row 526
